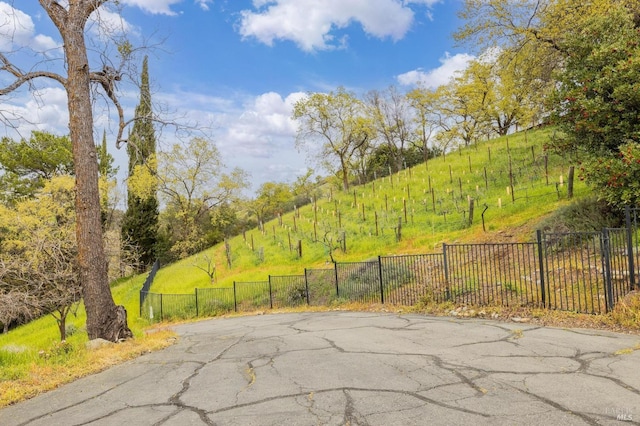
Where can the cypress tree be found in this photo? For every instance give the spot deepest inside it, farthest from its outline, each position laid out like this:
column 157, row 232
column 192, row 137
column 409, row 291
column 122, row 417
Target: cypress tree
column 140, row 223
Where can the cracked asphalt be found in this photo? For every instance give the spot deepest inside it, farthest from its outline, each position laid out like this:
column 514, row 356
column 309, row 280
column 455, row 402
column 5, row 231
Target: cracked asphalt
column 349, row 368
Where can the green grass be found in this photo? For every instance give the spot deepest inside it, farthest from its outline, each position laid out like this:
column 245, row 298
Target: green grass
column 405, row 196
column 454, row 178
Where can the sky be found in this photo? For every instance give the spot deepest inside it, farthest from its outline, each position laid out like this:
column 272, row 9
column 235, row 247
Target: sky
column 235, row 68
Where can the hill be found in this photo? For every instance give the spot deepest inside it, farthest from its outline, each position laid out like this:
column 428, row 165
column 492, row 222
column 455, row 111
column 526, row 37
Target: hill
column 506, row 185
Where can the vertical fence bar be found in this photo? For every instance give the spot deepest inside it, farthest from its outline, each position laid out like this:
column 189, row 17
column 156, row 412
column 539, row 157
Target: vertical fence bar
column 235, row 298
column 335, row 268
column 270, row 294
column 381, row 281
column 306, row 286
column 632, row 269
column 606, row 248
column 161, row 315
column 197, row 310
column 446, row 267
column 541, row 266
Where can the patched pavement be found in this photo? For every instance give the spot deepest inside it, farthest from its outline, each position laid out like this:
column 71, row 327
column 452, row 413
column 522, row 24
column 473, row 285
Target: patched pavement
column 350, row 368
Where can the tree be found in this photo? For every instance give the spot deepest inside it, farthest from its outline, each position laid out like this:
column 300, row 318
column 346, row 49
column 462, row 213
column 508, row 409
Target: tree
column 27, row 164
column 192, row 182
column 140, row 224
column 464, row 104
column 107, row 183
column 390, row 116
column 104, row 318
column 597, row 102
column 425, row 119
column 272, row 198
column 339, row 123
column 38, row 253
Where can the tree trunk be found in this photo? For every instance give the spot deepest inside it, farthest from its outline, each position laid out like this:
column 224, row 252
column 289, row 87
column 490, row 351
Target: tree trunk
column 104, row 318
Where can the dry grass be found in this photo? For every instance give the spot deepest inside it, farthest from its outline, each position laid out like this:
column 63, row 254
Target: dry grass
column 624, row 318
column 43, row 377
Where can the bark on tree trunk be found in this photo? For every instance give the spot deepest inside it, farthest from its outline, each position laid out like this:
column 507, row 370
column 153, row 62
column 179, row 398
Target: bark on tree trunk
column 104, row 318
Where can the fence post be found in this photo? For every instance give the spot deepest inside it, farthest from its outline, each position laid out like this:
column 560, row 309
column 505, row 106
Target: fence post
column 270, row 294
column 335, row 268
column 381, row 281
column 632, row 271
column 606, row 252
column 306, row 285
column 197, row 310
column 161, row 313
column 235, row 299
column 541, row 266
column 446, row 266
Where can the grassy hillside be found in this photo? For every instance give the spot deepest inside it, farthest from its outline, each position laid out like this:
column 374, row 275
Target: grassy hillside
column 512, row 179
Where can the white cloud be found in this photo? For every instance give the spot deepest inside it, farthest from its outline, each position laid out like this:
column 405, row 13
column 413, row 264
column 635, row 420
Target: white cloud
column 450, row 65
column 107, row 23
column 156, row 7
column 18, row 30
column 204, row 4
column 311, row 23
column 45, row 109
column 261, row 139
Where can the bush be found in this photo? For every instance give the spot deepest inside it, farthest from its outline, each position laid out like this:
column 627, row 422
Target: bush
column 587, row 214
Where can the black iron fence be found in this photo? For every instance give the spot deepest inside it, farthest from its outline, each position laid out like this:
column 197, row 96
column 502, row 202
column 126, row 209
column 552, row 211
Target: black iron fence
column 585, row 272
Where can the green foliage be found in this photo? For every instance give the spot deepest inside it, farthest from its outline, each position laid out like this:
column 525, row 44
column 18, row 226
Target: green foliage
column 597, row 101
column 599, row 94
column 339, row 123
column 616, row 179
column 27, row 164
column 198, row 193
column 140, row 223
column 585, row 214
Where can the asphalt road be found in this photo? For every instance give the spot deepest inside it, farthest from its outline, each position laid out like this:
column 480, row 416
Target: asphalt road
column 348, row 368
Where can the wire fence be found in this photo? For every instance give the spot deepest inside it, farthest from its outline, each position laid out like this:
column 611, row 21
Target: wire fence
column 585, row 272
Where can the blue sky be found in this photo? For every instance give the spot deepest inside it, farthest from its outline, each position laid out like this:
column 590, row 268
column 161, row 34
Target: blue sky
column 236, row 67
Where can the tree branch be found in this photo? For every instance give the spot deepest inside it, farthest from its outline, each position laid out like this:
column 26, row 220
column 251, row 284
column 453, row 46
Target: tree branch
column 22, row 78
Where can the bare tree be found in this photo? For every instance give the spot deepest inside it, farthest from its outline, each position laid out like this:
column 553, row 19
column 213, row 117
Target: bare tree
column 15, row 305
column 389, row 112
column 104, row 318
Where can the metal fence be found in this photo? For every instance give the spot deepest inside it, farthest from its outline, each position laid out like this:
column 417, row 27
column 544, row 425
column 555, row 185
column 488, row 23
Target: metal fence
column 586, row 272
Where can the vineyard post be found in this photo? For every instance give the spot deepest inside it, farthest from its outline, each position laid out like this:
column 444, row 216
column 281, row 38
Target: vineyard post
column 513, row 195
column 546, row 167
column 533, row 154
column 471, row 201
column 375, row 213
column 570, row 182
column 404, row 207
column 433, row 199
